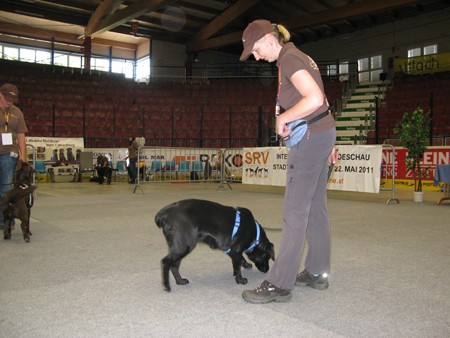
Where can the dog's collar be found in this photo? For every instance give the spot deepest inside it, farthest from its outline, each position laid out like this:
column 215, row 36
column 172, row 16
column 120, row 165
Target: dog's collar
column 23, row 186
column 237, row 223
column 256, row 241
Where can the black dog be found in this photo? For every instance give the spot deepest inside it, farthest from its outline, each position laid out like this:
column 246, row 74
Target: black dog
column 17, row 202
column 234, row 230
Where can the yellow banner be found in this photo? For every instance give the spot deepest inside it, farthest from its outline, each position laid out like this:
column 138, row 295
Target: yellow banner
column 427, row 185
column 423, row 64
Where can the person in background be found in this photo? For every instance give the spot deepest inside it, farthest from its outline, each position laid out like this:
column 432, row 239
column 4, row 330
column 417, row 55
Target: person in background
column 12, row 141
column 132, row 159
column 103, row 169
column 301, row 93
column 217, row 163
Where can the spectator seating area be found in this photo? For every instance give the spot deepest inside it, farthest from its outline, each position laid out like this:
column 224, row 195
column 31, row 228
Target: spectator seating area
column 105, row 108
column 406, row 93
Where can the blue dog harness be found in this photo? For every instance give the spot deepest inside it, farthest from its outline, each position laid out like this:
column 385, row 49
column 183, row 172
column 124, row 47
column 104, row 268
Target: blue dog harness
column 237, row 224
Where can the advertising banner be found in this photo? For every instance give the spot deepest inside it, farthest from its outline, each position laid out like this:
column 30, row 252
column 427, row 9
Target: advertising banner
column 424, row 64
column 48, row 147
column 358, row 169
column 265, row 166
column 404, row 178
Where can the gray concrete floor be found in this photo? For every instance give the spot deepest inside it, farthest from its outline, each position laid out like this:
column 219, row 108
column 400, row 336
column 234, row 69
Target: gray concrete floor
column 92, row 268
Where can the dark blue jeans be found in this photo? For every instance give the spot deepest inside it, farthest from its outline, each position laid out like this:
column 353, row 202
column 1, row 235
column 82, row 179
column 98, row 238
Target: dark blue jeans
column 7, row 167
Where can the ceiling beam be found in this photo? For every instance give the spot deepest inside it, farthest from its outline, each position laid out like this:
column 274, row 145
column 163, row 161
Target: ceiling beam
column 128, row 13
column 43, row 34
column 344, row 13
column 105, row 8
column 309, row 21
column 200, row 40
column 221, row 41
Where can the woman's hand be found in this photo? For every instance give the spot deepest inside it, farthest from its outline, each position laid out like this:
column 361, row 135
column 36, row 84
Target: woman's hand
column 333, row 157
column 281, row 128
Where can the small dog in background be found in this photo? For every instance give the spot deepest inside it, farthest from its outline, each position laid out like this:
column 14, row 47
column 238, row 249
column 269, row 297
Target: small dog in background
column 17, row 202
column 233, row 230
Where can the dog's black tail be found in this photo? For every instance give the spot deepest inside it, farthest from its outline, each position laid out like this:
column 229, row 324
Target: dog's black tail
column 160, row 217
column 17, row 193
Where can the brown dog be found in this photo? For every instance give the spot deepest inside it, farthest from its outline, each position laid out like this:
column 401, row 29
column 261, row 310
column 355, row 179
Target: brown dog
column 17, row 202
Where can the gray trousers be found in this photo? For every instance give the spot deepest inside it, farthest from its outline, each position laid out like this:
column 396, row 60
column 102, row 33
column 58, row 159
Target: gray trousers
column 305, row 211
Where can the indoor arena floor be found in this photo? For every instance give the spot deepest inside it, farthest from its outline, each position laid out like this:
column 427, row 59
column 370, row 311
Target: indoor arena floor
column 92, row 268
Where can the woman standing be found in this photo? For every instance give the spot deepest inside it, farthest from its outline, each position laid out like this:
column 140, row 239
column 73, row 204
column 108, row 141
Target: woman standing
column 301, row 94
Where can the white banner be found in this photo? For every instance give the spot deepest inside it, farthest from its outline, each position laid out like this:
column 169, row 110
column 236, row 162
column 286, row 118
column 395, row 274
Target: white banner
column 358, row 167
column 45, row 147
column 266, row 166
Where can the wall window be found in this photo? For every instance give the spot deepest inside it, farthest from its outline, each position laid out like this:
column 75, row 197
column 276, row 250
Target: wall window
column 414, row 52
column 27, row 55
column 44, row 57
column 425, row 50
column 343, row 71
column 376, row 67
column 11, row 53
column 363, row 70
column 432, row 49
column 75, row 60
column 332, row 70
column 100, row 64
column 123, row 66
column 343, row 68
column 61, row 60
column 369, row 69
column 143, row 68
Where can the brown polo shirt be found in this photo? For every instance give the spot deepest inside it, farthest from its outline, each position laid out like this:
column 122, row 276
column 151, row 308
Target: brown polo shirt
column 292, row 60
column 16, row 125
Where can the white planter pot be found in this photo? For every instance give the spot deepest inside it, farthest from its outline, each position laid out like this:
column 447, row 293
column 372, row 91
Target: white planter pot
column 418, row 196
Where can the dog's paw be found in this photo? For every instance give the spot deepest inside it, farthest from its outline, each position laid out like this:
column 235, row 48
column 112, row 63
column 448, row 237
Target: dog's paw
column 182, row 281
column 7, row 236
column 246, row 265
column 166, row 288
column 27, row 239
column 241, row 280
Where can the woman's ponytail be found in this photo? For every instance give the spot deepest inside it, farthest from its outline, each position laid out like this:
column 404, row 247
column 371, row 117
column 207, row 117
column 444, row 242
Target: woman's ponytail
column 282, row 33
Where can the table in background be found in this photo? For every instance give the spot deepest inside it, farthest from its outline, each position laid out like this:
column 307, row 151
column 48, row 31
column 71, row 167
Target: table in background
column 442, row 174
column 71, row 169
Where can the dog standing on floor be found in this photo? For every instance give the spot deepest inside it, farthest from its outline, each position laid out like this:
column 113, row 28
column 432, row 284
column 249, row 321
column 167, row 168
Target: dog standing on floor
column 233, row 230
column 17, row 202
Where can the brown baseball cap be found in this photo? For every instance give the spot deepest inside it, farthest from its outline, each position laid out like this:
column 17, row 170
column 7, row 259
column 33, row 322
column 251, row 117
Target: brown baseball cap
column 10, row 92
column 254, row 31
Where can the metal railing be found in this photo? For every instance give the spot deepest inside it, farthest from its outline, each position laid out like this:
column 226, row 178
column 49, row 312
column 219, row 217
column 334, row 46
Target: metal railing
column 189, row 165
column 393, row 174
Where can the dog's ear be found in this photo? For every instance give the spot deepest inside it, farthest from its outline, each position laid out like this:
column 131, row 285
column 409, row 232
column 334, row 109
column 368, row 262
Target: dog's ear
column 271, row 251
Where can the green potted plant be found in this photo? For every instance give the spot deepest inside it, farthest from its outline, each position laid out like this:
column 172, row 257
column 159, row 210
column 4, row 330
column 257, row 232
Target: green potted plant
column 414, row 133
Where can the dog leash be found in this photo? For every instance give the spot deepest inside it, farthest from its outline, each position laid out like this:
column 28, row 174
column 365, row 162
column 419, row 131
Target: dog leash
column 330, row 170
